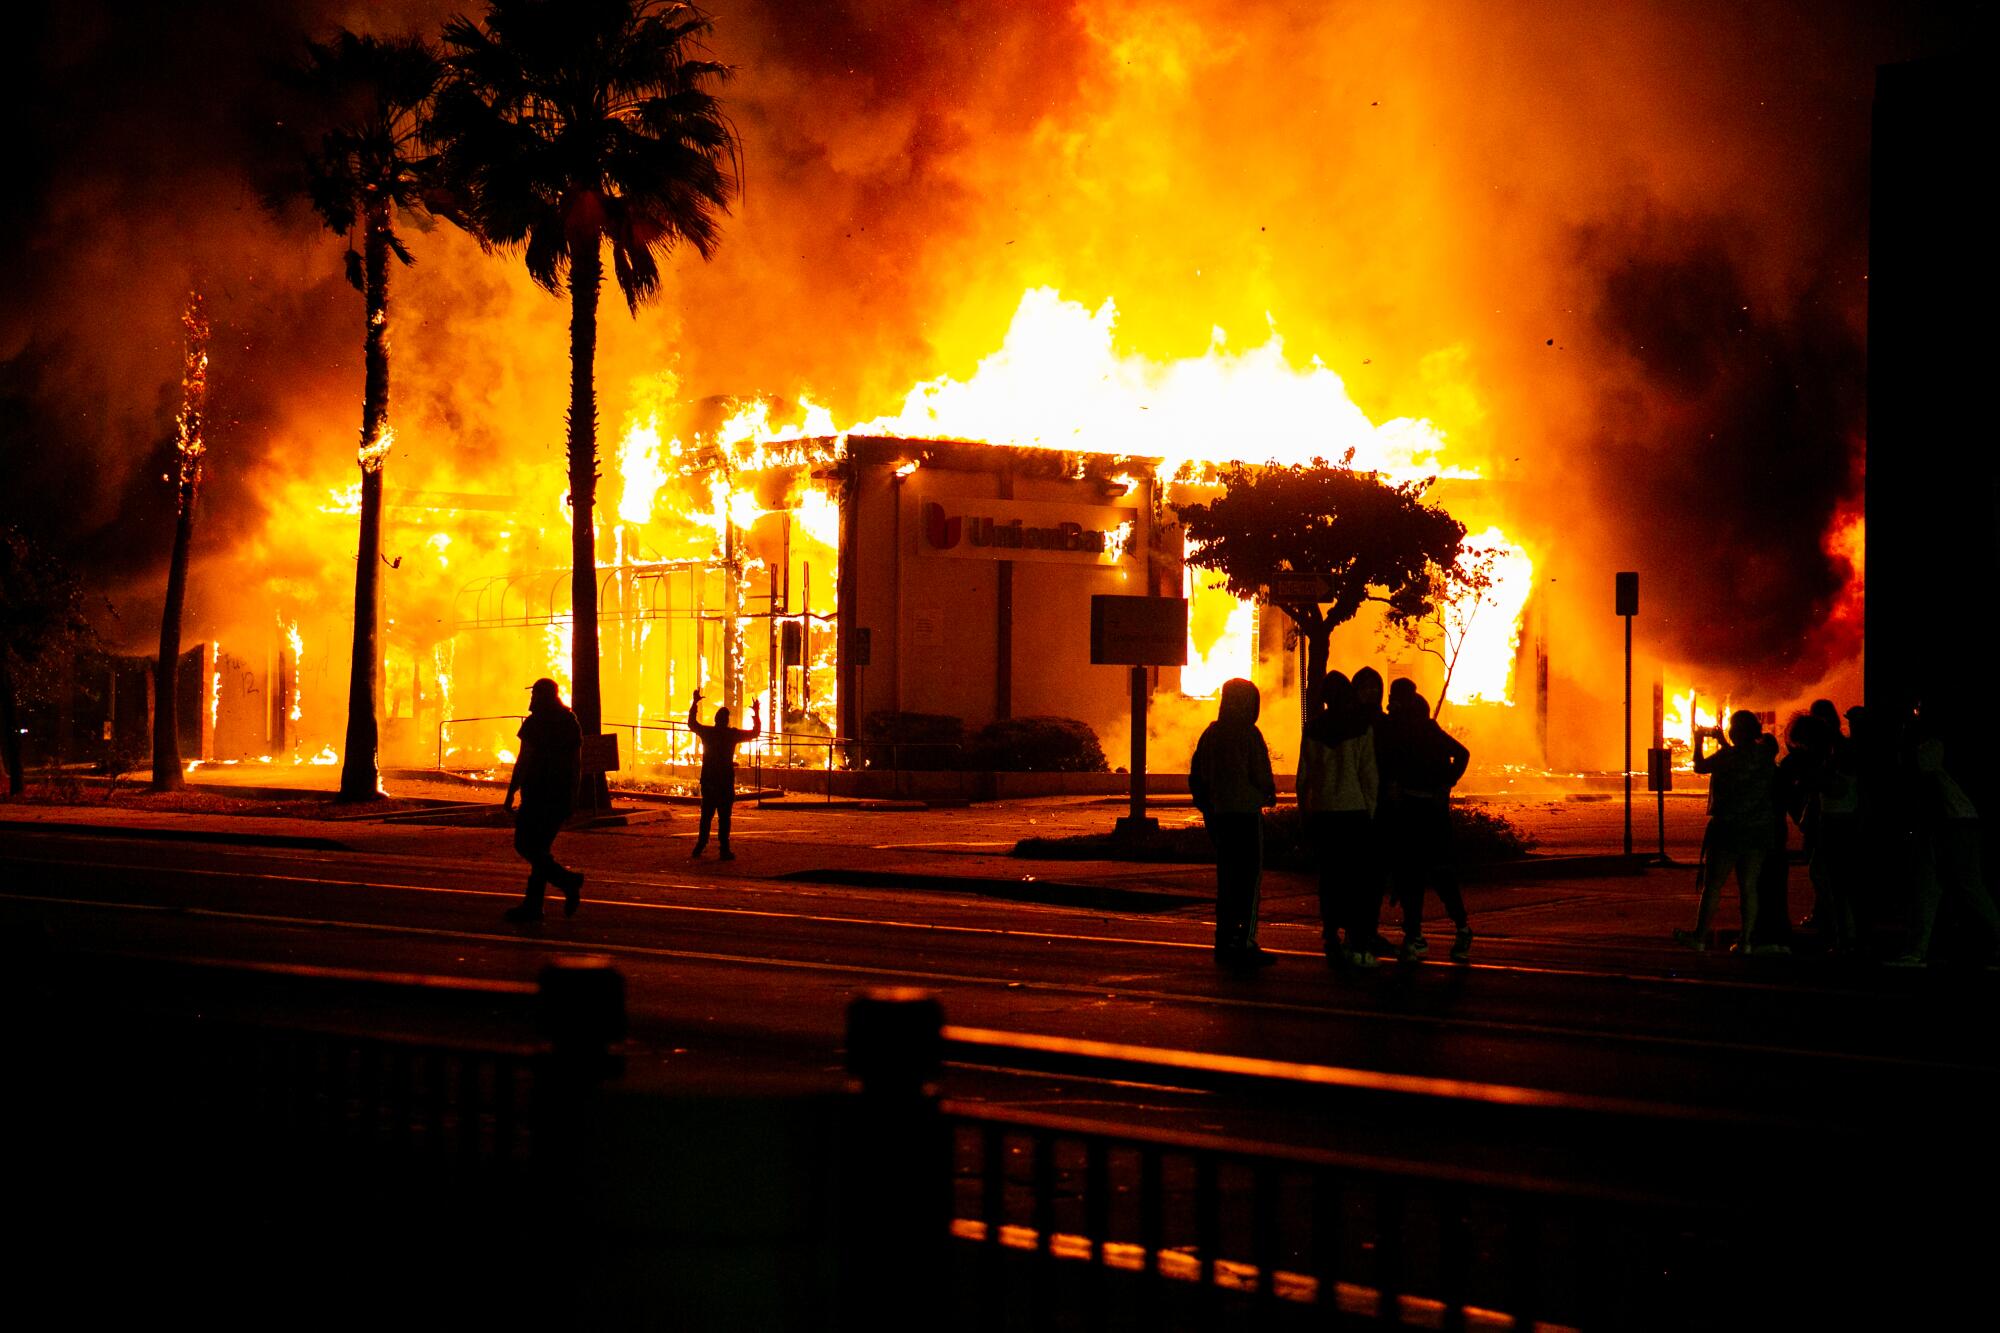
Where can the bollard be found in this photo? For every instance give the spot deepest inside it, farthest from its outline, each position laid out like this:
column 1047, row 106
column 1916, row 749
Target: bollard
column 895, row 1175
column 894, row 1040
column 583, row 1013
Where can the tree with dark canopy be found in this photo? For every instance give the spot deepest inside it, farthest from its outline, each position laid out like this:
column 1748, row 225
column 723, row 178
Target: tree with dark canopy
column 365, row 165
column 1370, row 540
column 41, row 625
column 573, row 125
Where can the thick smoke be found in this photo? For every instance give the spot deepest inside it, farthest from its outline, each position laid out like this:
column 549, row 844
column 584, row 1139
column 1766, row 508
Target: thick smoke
column 1744, row 423
column 1617, row 252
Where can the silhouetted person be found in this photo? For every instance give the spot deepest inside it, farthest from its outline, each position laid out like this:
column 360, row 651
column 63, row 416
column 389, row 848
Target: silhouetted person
column 1419, row 763
column 718, row 768
column 1231, row 782
column 1368, row 698
column 1774, row 888
column 1947, row 860
column 1337, row 786
column 545, row 776
column 1833, row 831
column 1738, row 839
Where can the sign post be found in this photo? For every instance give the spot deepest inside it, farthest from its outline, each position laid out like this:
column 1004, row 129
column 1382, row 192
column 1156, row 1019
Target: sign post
column 1628, row 606
column 1138, row 632
column 1660, row 780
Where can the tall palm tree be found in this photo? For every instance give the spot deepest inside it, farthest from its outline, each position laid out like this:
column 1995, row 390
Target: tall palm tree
column 190, row 445
column 570, row 126
column 367, row 165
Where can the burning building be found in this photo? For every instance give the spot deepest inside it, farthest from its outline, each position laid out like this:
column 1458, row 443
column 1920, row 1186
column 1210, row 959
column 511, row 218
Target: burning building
column 1600, row 271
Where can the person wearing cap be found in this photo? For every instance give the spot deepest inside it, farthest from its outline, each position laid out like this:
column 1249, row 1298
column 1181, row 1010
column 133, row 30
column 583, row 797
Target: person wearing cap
column 545, row 776
column 718, row 767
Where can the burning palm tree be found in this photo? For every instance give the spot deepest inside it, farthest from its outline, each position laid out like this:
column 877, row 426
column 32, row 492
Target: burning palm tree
column 189, row 446
column 572, row 124
column 367, row 166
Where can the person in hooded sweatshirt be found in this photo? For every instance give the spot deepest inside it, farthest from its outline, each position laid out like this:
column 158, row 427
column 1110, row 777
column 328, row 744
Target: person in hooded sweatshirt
column 545, row 778
column 1420, row 762
column 1231, row 781
column 1337, row 787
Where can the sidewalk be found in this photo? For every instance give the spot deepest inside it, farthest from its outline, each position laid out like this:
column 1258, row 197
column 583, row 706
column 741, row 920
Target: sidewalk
column 901, row 847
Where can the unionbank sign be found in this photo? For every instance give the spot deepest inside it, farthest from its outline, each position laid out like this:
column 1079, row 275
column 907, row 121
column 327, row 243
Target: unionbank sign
column 974, row 529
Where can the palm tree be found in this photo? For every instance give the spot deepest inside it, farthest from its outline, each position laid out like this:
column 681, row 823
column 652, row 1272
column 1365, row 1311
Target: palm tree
column 570, row 125
column 190, row 444
column 367, row 165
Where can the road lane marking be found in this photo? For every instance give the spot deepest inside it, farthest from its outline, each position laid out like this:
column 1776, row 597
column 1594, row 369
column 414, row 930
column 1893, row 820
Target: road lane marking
column 1093, row 990
column 1669, row 979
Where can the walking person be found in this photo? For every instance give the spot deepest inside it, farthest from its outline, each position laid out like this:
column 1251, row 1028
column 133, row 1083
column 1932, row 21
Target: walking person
column 1419, row 763
column 545, row 777
column 1740, row 816
column 1231, row 782
column 1337, row 787
column 718, row 767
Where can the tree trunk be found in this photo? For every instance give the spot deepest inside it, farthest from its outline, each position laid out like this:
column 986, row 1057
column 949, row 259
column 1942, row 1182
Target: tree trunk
column 586, row 275
column 10, row 732
column 1318, row 635
column 166, row 688
column 360, row 778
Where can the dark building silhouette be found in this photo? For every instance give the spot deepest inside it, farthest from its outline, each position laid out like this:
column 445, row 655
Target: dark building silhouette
column 1933, row 547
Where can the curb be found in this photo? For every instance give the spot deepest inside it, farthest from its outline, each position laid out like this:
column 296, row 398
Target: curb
column 1058, row 893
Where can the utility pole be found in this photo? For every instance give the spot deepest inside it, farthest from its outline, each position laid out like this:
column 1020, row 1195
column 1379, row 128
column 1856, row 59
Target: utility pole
column 1627, row 595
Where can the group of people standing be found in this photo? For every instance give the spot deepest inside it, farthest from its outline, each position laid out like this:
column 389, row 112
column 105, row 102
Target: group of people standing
column 1374, row 799
column 1874, row 808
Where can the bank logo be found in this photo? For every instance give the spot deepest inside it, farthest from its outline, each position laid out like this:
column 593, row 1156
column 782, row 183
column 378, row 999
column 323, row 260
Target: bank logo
column 944, row 533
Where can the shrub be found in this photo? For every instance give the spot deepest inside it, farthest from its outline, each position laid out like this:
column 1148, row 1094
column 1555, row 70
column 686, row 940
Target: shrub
column 1479, row 836
column 1037, row 745
column 923, row 741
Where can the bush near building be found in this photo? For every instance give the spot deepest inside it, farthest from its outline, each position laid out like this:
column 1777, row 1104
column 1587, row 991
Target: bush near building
column 1036, row 745
column 919, row 741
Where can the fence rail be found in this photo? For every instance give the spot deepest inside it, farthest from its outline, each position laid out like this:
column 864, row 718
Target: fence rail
column 1063, row 1221
column 781, row 751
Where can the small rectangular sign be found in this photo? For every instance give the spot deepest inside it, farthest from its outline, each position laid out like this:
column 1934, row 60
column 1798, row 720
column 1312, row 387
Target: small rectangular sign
column 1298, row 586
column 1138, row 631
column 1628, row 593
column 600, row 753
column 1659, row 770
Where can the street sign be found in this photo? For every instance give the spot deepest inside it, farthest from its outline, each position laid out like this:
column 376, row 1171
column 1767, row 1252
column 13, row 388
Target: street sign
column 1138, row 631
column 1628, row 593
column 600, row 753
column 1659, row 770
column 1297, row 586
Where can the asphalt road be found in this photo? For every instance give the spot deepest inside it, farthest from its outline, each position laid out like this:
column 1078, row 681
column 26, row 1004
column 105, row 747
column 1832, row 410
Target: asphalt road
column 738, row 979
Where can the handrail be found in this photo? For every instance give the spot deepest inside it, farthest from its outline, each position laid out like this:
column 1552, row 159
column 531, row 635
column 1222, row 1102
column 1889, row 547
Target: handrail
column 1286, row 1081
column 790, row 742
column 1097, row 1192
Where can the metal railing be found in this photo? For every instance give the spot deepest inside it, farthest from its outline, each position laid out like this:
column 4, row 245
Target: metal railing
column 792, row 752
column 1056, row 1220
column 440, row 1068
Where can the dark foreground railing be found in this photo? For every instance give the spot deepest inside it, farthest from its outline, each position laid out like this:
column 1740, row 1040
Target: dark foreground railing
column 1064, row 1221
column 318, row 1144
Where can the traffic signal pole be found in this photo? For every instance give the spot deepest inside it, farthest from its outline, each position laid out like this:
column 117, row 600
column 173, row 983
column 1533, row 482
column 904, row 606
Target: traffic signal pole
column 1627, row 598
